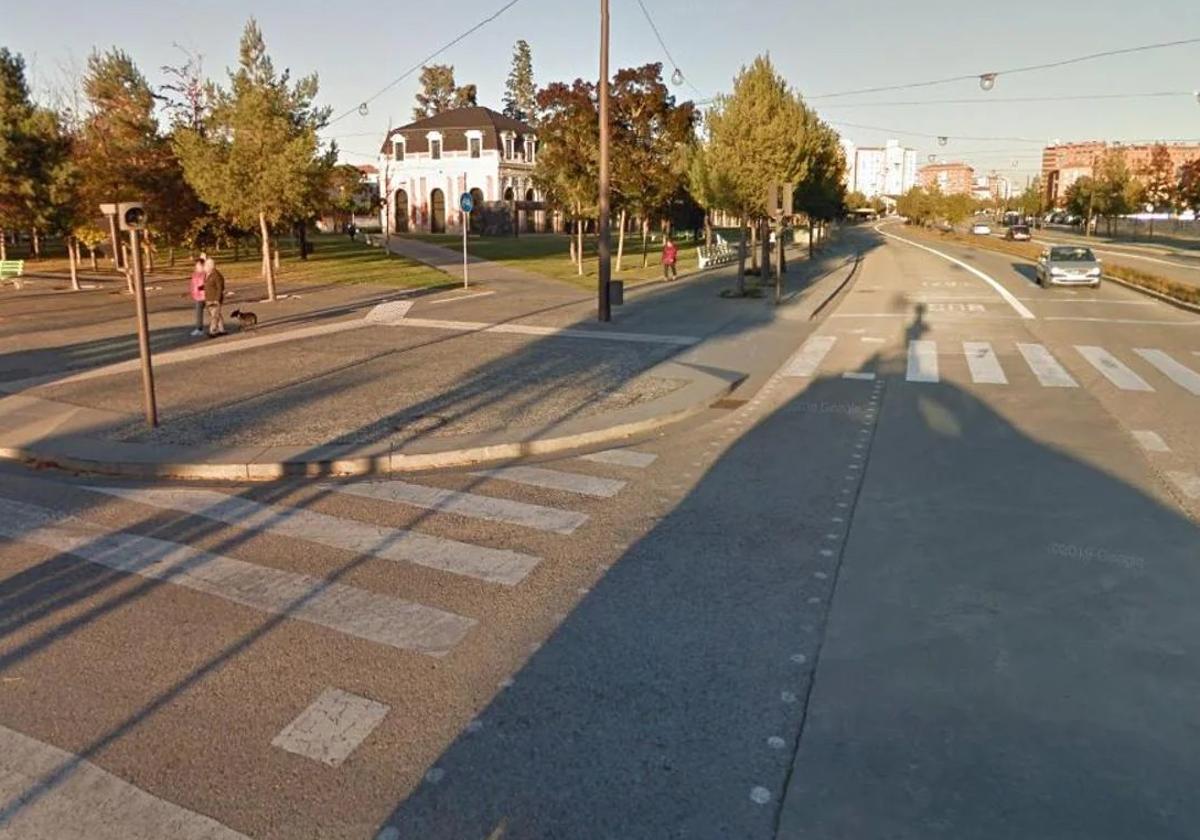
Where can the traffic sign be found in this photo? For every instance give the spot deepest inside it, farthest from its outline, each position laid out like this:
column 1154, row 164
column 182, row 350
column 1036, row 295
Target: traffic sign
column 466, row 202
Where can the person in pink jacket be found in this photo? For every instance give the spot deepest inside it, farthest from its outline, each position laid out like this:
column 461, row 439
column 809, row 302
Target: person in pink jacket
column 196, row 287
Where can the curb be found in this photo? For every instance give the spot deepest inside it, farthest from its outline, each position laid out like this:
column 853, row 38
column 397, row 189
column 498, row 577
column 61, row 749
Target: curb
column 1176, row 302
column 385, row 462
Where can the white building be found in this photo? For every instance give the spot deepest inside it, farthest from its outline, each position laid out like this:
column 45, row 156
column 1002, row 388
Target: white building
column 425, row 166
column 890, row 169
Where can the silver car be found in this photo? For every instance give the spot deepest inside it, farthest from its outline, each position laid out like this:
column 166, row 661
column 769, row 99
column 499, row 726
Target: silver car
column 1068, row 265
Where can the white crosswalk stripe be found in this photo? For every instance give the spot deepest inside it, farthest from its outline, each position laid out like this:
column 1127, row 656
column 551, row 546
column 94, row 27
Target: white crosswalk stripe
column 1188, row 483
column 622, row 458
column 584, row 485
column 983, row 363
column 1177, row 372
column 1150, row 441
column 471, row 505
column 1113, row 369
column 489, row 564
column 346, row 609
column 1045, row 367
column 922, row 362
column 810, row 355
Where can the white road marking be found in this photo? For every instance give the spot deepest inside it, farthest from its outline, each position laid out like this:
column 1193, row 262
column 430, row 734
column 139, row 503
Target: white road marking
column 459, row 297
column 1150, row 441
column 776, row 743
column 355, row 612
column 1113, row 369
column 470, row 505
column 760, row 795
column 1188, row 483
column 984, row 365
column 47, row 792
column 864, row 375
column 922, row 362
column 585, row 485
column 1123, row 321
column 871, row 339
column 1020, row 308
column 331, row 727
column 623, row 457
column 1178, row 373
column 445, row 555
column 552, row 332
column 809, row 357
column 1045, row 367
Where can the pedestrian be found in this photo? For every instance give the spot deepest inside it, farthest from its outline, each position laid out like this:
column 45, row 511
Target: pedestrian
column 196, row 287
column 214, row 296
column 669, row 255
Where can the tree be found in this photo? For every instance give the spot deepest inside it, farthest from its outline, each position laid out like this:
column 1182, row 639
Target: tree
column 920, row 206
column 520, row 95
column 757, row 137
column 568, row 161
column 256, row 159
column 440, row 93
column 1032, row 202
column 821, row 191
column 185, row 97
column 465, row 97
column 1159, row 182
column 1187, row 189
column 1117, row 192
column 1081, row 200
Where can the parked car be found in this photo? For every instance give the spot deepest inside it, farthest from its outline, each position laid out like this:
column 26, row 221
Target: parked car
column 981, row 229
column 1018, row 233
column 1068, row 265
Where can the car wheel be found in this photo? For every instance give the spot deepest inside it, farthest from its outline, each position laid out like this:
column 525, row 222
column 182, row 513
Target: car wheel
column 1096, row 285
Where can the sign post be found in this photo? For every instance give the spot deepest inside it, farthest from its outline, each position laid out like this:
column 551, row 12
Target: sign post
column 467, row 203
column 131, row 217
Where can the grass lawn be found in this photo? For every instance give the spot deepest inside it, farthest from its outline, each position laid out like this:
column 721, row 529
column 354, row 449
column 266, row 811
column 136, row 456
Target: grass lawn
column 335, row 259
column 549, row 254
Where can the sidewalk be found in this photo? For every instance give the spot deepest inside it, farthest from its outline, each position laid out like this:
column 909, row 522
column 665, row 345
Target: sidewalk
column 517, row 366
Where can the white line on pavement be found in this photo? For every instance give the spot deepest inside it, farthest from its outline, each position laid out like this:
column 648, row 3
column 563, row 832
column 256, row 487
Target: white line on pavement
column 355, row 612
column 1188, row 483
column 922, row 362
column 1045, row 367
column 50, row 792
column 585, row 485
column 459, row 297
column 1180, row 374
column 1180, row 323
column 1150, row 441
column 1113, row 369
column 622, row 458
column 445, row 555
column 331, row 727
column 985, row 367
column 1009, row 297
column 864, row 375
column 538, row 517
column 809, row 357
column 553, row 332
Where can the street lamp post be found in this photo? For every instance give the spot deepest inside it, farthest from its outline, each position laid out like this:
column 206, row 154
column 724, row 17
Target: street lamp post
column 603, row 312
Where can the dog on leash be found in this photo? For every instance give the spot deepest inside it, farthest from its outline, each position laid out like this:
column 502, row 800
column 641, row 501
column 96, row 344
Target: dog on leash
column 246, row 320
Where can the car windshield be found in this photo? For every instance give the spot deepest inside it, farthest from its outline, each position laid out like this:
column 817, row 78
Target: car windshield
column 1072, row 255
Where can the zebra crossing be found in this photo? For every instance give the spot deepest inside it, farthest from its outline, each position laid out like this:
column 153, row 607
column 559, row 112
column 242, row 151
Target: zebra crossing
column 343, row 607
column 994, row 364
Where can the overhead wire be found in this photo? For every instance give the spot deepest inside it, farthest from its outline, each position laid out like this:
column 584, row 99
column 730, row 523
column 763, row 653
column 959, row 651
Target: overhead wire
column 991, row 99
column 667, row 53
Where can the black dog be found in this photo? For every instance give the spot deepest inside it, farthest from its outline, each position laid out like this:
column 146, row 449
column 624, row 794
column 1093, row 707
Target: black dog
column 246, row 320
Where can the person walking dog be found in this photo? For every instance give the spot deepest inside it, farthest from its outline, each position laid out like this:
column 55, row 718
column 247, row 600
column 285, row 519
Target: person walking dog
column 214, row 296
column 196, row 287
column 669, row 255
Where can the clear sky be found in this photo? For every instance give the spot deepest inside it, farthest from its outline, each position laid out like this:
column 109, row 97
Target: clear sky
column 821, row 47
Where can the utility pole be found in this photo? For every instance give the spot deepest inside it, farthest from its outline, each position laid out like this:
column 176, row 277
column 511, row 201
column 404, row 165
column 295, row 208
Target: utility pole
column 143, row 326
column 604, row 312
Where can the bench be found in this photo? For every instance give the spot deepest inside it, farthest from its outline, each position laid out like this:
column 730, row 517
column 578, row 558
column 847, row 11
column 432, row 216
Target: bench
column 718, row 254
column 12, row 270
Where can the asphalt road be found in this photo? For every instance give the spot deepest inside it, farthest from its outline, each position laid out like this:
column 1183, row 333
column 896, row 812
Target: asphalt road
column 937, row 578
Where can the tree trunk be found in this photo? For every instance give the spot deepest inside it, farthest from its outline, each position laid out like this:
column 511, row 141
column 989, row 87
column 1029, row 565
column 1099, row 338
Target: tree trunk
column 741, row 275
column 621, row 240
column 3, row 245
column 275, row 253
column 73, row 254
column 766, row 250
column 237, row 248
column 302, row 229
column 92, row 255
column 149, row 254
column 708, row 233
column 645, row 241
column 579, row 243
column 754, row 246
column 810, row 239
column 128, row 270
column 266, row 255
column 37, row 244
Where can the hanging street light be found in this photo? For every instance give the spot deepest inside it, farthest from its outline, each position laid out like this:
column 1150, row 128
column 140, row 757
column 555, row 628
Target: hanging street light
column 363, row 110
column 677, row 77
column 932, row 158
column 943, row 140
column 987, row 81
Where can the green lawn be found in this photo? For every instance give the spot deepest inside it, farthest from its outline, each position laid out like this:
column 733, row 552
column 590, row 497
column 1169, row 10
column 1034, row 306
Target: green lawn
column 549, row 254
column 335, row 259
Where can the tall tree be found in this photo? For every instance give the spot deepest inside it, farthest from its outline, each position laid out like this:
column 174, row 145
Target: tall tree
column 466, row 96
column 520, row 95
column 257, row 157
column 1187, row 189
column 821, row 192
column 568, row 161
column 184, row 96
column 440, row 93
column 1158, row 181
column 757, row 137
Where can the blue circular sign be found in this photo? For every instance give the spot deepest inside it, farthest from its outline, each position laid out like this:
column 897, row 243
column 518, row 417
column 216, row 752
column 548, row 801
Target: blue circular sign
column 466, row 202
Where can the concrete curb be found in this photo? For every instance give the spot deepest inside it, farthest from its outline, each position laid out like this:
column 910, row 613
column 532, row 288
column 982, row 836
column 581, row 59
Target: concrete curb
column 1176, row 302
column 93, row 456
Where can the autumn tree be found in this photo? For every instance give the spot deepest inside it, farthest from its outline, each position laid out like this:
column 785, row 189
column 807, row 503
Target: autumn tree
column 1187, row 188
column 440, row 93
column 568, row 161
column 520, row 95
column 1158, row 182
column 256, row 157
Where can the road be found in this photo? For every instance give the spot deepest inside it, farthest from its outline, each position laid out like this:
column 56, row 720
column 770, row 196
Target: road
column 936, row 578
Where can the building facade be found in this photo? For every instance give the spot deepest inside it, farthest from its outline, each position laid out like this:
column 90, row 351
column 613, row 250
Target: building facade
column 426, row 166
column 887, row 170
column 1065, row 163
column 949, row 178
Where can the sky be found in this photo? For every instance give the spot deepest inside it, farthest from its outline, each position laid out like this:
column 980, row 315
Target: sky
column 819, row 47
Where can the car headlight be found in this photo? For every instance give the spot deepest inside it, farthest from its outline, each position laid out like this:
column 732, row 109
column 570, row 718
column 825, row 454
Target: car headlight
column 1093, row 272
column 1057, row 271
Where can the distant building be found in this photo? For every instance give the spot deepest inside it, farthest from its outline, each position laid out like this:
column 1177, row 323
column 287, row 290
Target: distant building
column 1065, row 163
column 999, row 187
column 890, row 169
column 427, row 165
column 950, row 178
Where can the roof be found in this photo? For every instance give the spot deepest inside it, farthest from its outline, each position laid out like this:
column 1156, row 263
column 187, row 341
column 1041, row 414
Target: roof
column 492, row 123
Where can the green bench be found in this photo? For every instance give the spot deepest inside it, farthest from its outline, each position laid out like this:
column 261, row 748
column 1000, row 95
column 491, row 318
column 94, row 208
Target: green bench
column 12, row 270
